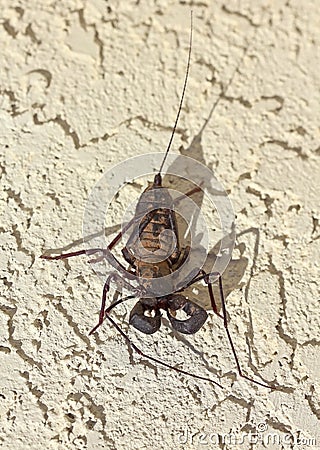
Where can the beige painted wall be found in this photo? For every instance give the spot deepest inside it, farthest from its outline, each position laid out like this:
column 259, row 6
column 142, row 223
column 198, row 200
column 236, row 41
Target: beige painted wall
column 85, row 85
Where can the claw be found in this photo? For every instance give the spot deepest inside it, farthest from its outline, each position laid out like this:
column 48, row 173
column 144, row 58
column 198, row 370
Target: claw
column 197, row 318
column 145, row 324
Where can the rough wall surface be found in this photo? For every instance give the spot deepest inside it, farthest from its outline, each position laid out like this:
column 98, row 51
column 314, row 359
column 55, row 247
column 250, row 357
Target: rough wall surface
column 85, row 85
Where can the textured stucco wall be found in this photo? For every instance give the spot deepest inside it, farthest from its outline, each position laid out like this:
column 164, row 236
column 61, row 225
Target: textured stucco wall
column 85, row 85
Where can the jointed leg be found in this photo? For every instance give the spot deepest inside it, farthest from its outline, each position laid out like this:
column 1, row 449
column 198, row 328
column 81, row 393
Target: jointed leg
column 225, row 322
column 212, row 300
column 104, row 311
column 66, row 255
column 106, row 288
column 187, row 194
column 105, row 254
column 94, row 250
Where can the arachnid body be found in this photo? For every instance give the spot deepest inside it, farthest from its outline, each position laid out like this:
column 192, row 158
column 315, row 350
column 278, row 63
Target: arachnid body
column 151, row 257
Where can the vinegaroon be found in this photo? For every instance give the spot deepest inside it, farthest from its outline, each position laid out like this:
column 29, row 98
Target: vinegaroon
column 151, row 219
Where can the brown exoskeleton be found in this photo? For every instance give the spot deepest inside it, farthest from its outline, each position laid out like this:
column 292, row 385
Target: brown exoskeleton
column 148, row 225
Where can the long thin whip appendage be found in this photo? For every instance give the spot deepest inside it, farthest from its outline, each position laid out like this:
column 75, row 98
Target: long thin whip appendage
column 181, row 100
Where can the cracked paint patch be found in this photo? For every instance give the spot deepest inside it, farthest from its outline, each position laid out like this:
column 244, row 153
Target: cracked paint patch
column 85, row 85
